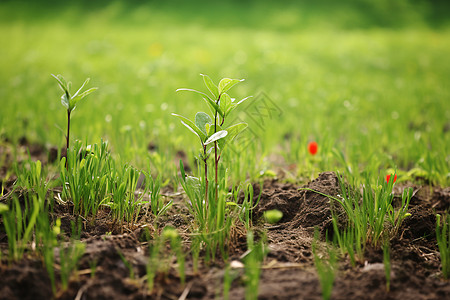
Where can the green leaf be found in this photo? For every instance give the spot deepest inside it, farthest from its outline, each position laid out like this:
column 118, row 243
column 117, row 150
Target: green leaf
column 234, row 105
column 82, row 86
column 211, row 86
column 226, row 83
column 243, row 100
column 183, row 174
column 214, row 107
column 233, row 131
column 62, row 82
column 225, row 102
column 195, row 91
column 216, row 136
column 65, row 101
column 201, row 119
column 75, row 99
column 191, row 126
column 193, row 183
column 3, row 208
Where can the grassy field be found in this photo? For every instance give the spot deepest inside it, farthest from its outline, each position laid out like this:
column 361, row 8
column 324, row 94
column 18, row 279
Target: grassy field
column 379, row 95
column 370, row 87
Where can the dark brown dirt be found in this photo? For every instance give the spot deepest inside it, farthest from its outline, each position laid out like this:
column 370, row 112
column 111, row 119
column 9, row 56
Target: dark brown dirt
column 288, row 270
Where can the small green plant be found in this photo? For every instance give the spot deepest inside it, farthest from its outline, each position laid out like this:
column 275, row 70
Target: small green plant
column 46, row 238
column 387, row 264
column 127, row 264
column 367, row 215
column 443, row 239
column 68, row 259
column 208, row 202
column 172, row 235
column 87, row 177
column 326, row 267
column 31, row 177
column 159, row 258
column 211, row 132
column 19, row 224
column 157, row 204
column 70, row 101
column 253, row 260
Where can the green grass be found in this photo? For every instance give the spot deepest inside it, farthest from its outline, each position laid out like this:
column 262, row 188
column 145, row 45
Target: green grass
column 379, row 95
column 369, row 86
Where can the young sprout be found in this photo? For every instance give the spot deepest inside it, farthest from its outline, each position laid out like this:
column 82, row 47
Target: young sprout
column 312, row 148
column 209, row 129
column 70, row 101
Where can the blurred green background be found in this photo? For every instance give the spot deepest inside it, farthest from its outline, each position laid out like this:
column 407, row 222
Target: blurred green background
column 368, row 80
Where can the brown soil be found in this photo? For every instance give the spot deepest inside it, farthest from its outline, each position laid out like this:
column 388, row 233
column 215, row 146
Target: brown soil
column 288, row 270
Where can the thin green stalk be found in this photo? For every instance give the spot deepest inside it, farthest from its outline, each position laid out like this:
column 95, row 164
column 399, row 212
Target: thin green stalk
column 67, row 138
column 387, row 264
column 443, row 239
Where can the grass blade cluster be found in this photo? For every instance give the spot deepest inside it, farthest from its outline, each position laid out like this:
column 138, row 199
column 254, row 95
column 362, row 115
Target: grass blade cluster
column 443, row 239
column 326, row 267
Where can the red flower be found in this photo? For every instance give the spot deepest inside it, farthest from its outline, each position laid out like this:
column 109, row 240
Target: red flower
column 312, row 148
column 389, row 177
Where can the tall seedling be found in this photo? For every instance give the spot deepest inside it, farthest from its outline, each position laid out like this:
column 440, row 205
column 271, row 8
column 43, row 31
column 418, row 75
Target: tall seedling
column 70, row 101
column 209, row 129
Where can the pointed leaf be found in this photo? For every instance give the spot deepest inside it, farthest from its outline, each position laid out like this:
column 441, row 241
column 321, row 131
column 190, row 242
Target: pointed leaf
column 234, row 105
column 201, row 119
column 216, row 136
column 211, row 86
column 233, row 131
column 75, row 99
column 225, row 102
column 182, row 171
column 65, row 101
column 244, row 100
column 82, row 86
column 214, row 107
column 191, row 126
column 62, row 82
column 195, row 91
column 87, row 92
column 226, row 83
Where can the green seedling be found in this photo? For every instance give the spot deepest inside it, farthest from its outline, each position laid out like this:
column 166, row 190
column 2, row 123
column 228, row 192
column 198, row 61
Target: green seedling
column 70, row 101
column 367, row 215
column 172, row 235
column 19, row 224
column 326, row 267
column 159, row 258
column 46, row 239
column 245, row 205
column 69, row 257
column 387, row 264
column 443, row 239
column 211, row 215
column 31, row 177
column 209, row 129
column 127, row 264
column 157, row 204
column 88, row 177
column 253, row 260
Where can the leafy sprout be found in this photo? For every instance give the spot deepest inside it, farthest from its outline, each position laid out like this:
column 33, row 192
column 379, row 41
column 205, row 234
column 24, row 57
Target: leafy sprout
column 70, row 101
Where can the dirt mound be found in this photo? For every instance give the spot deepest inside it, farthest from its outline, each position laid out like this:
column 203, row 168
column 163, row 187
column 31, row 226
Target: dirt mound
column 300, row 208
column 26, row 279
column 288, row 272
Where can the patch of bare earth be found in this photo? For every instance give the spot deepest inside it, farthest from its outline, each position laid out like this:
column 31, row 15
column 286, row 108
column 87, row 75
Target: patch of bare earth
column 288, row 270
